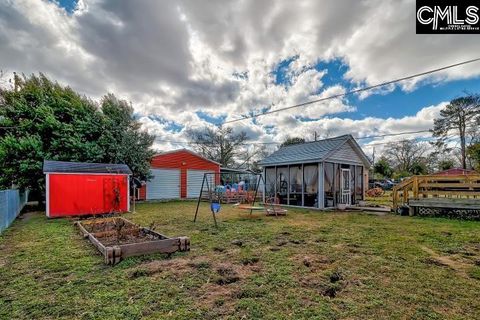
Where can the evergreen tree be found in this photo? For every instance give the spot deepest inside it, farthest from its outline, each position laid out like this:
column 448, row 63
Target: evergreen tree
column 40, row 119
column 459, row 117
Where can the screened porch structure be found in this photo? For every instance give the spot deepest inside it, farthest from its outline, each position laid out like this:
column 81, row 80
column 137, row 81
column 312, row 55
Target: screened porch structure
column 319, row 174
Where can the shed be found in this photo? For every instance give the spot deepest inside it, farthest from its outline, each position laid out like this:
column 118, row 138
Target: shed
column 77, row 188
column 177, row 174
column 318, row 174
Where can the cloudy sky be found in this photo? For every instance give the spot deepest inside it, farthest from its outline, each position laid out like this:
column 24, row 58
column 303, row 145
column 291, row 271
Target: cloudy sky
column 186, row 64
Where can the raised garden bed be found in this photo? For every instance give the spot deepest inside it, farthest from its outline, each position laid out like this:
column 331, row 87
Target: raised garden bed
column 118, row 238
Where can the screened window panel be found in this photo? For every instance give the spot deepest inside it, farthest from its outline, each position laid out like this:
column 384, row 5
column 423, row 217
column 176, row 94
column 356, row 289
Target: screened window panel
column 310, row 185
column 295, row 179
column 295, row 197
column 352, row 184
column 329, row 187
column 359, row 183
column 282, row 184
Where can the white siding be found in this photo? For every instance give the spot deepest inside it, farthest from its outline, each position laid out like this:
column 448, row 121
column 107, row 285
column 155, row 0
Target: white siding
column 195, row 180
column 165, row 184
column 345, row 154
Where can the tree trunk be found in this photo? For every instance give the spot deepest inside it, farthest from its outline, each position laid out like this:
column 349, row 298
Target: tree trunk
column 462, row 144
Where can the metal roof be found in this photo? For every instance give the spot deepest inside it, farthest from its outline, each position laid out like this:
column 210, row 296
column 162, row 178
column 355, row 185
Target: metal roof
column 84, row 167
column 186, row 150
column 314, row 151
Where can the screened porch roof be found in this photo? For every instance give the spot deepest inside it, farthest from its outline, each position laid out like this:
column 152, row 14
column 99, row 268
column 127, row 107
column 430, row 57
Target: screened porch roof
column 315, row 151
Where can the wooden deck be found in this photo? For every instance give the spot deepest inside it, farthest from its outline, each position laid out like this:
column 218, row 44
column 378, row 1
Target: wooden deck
column 447, row 192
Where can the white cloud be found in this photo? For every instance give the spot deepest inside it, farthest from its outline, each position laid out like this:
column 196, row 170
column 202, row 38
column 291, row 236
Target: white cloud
column 173, row 59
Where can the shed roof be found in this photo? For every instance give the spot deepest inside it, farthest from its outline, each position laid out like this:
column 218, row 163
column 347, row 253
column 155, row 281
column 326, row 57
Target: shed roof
column 188, row 151
column 314, row 151
column 50, row 166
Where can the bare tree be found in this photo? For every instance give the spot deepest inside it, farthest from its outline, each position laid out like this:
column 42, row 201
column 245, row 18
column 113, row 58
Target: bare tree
column 220, row 144
column 461, row 115
column 404, row 154
column 251, row 156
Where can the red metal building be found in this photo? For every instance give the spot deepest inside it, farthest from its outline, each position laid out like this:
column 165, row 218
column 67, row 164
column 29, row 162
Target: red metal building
column 75, row 188
column 177, row 174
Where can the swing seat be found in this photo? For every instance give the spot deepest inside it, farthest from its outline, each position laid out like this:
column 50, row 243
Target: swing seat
column 273, row 208
column 215, row 207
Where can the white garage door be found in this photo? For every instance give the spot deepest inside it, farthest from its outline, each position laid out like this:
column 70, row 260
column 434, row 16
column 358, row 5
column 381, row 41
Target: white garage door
column 165, row 184
column 194, row 182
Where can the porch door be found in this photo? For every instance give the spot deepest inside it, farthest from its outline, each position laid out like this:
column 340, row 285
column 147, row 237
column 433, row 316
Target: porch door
column 345, row 187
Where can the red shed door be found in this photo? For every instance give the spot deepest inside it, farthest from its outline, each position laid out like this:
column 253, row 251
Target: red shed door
column 76, row 194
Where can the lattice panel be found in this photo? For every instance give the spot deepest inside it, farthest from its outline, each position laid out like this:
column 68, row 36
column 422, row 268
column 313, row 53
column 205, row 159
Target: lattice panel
column 451, row 213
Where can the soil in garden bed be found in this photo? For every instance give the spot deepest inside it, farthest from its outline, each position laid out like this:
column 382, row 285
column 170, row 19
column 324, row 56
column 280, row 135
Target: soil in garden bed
column 117, row 231
column 126, row 237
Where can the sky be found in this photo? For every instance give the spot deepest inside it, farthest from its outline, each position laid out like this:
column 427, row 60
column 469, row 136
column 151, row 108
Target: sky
column 189, row 64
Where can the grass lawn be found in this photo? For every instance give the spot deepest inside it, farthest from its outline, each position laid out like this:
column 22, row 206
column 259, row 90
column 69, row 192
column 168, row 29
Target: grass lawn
column 384, row 200
column 307, row 265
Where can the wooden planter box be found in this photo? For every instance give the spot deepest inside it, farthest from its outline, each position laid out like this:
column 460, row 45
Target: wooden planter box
column 118, row 238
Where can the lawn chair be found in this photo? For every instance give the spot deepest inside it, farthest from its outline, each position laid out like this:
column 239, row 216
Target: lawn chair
column 273, row 208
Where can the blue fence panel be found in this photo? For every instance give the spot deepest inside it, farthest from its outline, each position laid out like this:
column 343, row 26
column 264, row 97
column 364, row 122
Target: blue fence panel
column 11, row 203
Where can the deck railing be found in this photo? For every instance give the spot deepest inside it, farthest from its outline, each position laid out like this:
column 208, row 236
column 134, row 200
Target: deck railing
column 433, row 186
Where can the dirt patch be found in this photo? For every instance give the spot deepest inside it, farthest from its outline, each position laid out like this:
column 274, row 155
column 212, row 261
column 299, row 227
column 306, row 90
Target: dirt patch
column 219, row 296
column 216, row 297
column 177, row 267
column 453, row 262
column 28, row 215
column 323, row 285
column 313, row 262
column 281, row 243
column 250, row 260
column 237, row 242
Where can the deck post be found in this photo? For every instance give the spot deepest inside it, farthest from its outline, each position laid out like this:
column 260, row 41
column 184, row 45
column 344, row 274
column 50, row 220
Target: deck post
column 415, row 187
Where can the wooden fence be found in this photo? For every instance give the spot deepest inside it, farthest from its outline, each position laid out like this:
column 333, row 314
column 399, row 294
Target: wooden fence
column 11, row 203
column 458, row 188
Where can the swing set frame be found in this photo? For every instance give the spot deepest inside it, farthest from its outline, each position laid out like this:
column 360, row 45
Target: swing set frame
column 258, row 178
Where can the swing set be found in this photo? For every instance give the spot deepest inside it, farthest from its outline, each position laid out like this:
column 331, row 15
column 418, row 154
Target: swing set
column 239, row 187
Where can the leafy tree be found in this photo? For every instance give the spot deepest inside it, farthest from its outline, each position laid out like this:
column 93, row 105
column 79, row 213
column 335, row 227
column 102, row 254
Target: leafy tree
column 401, row 174
column 418, row 168
column 446, row 164
column 291, row 141
column 40, row 119
column 383, row 168
column 122, row 139
column 461, row 115
column 218, row 144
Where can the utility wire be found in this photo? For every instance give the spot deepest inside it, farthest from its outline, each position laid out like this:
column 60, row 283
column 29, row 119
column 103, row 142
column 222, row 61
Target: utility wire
column 248, row 143
column 354, row 91
column 267, row 143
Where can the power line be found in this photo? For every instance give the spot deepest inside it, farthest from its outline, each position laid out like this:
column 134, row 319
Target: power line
column 354, row 91
column 272, row 143
column 391, row 134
